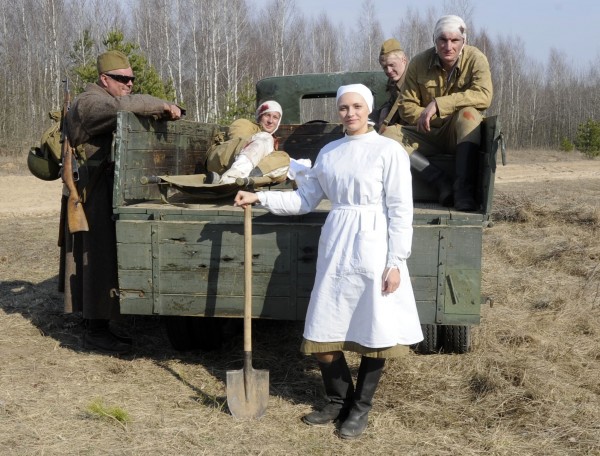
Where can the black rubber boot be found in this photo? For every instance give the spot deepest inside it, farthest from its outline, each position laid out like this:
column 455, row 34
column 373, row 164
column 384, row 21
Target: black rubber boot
column 433, row 176
column 466, row 168
column 99, row 337
column 339, row 389
column 369, row 374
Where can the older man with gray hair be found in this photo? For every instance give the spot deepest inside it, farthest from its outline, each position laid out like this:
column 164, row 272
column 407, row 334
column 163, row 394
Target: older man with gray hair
column 446, row 89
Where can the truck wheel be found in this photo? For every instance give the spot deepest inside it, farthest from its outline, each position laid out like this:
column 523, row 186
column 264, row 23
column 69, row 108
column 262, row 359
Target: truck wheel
column 456, row 339
column 191, row 333
column 431, row 340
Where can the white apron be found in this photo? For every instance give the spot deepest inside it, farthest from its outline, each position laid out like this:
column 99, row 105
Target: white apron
column 367, row 179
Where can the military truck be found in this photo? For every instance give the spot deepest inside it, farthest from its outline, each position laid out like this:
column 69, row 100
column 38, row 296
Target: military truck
column 180, row 255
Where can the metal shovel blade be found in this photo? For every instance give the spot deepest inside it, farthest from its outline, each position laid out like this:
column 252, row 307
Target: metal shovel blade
column 247, row 388
column 247, row 391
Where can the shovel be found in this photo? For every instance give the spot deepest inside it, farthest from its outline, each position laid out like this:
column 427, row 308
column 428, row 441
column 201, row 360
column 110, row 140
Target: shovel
column 247, row 389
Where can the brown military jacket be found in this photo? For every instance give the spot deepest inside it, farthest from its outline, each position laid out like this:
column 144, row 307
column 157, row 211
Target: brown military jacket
column 469, row 85
column 93, row 116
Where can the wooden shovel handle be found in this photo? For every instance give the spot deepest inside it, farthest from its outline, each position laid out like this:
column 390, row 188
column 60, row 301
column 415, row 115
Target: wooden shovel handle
column 248, row 278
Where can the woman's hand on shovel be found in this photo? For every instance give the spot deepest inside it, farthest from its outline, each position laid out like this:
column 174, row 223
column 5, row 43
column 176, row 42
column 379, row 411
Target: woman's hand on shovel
column 244, row 199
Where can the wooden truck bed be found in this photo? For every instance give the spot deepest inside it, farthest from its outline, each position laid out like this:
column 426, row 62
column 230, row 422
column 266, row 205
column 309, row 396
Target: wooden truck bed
column 186, row 258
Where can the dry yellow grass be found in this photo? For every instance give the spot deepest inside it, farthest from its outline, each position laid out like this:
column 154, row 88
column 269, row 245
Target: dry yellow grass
column 531, row 385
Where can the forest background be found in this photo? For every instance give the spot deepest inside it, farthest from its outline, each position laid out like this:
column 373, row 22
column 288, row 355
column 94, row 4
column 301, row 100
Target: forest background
column 210, row 54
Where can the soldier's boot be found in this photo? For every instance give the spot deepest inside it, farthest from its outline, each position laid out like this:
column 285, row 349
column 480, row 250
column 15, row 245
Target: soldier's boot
column 369, row 374
column 337, row 380
column 464, row 184
column 98, row 336
column 433, row 176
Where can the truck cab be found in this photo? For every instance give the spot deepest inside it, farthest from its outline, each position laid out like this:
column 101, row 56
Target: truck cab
column 182, row 257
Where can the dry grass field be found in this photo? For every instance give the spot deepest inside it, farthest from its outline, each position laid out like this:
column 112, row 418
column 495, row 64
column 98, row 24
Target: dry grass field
column 531, row 385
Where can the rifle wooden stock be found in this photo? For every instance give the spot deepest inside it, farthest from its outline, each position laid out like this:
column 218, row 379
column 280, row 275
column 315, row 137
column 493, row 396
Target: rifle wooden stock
column 76, row 218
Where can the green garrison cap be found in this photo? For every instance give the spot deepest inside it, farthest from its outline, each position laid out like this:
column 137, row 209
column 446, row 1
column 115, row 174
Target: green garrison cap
column 112, row 60
column 390, row 45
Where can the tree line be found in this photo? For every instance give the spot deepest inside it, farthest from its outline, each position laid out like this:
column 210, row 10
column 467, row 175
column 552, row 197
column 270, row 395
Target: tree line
column 210, row 53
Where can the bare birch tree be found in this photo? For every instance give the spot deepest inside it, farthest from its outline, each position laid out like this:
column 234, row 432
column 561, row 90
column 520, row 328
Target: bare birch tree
column 213, row 50
column 415, row 31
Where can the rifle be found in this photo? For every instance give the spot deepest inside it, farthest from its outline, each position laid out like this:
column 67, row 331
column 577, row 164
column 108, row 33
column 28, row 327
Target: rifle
column 75, row 215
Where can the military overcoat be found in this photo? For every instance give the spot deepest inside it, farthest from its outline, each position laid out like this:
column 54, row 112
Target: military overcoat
column 89, row 259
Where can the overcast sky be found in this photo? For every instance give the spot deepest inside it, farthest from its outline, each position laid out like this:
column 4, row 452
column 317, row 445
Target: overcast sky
column 570, row 26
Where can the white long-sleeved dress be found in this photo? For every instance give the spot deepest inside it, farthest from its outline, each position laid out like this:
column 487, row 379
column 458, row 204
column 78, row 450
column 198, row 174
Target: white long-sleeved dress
column 367, row 179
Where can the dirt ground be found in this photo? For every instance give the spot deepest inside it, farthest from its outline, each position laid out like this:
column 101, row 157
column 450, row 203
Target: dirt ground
column 530, row 386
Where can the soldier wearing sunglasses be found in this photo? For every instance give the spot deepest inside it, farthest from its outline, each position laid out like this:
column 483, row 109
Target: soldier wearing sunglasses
column 89, row 259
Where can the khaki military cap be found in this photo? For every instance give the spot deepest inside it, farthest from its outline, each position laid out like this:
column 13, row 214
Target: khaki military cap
column 390, row 45
column 112, row 60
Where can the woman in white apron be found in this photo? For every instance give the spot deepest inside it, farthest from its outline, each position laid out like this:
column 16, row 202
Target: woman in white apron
column 362, row 300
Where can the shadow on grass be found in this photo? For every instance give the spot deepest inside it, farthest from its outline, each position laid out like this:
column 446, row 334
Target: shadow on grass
column 275, row 344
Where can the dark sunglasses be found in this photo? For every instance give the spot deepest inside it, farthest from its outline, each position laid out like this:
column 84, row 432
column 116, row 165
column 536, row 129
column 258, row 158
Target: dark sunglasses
column 120, row 78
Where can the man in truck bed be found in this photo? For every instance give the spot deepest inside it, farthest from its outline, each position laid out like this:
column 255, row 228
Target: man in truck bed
column 445, row 90
column 251, row 149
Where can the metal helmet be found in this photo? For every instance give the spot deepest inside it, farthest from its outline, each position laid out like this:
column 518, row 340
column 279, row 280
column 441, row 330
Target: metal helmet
column 42, row 165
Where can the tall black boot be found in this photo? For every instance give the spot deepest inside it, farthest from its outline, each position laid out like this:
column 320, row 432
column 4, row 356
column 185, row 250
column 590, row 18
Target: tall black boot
column 466, row 169
column 369, row 374
column 433, row 176
column 99, row 337
column 339, row 389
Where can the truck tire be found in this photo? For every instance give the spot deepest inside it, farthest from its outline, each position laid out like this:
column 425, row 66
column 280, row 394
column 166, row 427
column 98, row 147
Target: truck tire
column 194, row 333
column 456, row 339
column 431, row 340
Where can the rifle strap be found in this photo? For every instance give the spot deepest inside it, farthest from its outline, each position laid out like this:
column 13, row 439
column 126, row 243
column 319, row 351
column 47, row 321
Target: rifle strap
column 393, row 111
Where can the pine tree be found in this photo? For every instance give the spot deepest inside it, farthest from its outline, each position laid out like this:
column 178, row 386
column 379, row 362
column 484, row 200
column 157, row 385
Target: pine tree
column 147, row 80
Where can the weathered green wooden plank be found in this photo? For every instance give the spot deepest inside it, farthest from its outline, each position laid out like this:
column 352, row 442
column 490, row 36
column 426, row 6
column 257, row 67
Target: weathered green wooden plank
column 222, row 258
column 139, row 140
column 424, row 258
column 460, row 319
column 426, row 308
column 160, row 157
column 135, row 281
column 133, row 232
column 144, row 147
column 424, row 287
column 134, row 216
column 134, row 256
column 132, row 122
column 225, row 306
column 464, row 245
column 205, row 281
column 131, row 305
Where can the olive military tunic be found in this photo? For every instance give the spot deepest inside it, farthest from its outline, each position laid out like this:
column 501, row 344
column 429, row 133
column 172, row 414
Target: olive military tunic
column 469, row 85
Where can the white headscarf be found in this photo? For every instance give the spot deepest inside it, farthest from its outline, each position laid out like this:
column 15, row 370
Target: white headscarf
column 361, row 89
column 452, row 24
column 269, row 106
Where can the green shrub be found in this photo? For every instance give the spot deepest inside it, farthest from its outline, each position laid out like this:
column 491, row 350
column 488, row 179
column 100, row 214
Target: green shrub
column 588, row 138
column 566, row 145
